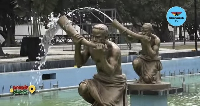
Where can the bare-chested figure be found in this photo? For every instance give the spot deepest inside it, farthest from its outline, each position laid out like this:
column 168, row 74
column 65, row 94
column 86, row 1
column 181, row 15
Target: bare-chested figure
column 147, row 65
column 108, row 88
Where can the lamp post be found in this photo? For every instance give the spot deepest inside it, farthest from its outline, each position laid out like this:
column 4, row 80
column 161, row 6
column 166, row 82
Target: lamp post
column 174, row 36
column 184, row 33
column 195, row 23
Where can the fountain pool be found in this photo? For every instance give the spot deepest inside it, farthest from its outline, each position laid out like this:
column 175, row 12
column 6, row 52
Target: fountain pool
column 71, row 97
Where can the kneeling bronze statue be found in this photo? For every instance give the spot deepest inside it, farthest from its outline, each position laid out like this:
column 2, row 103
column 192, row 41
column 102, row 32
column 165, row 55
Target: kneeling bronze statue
column 108, row 86
column 147, row 65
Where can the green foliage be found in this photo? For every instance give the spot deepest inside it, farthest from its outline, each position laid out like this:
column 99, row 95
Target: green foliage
column 134, row 11
column 154, row 11
column 146, row 10
column 22, row 7
column 30, row 7
column 44, row 7
column 7, row 21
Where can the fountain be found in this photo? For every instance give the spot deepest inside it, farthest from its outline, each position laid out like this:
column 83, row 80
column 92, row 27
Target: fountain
column 46, row 42
column 63, row 23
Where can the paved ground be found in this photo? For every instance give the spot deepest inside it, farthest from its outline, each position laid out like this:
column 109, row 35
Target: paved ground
column 61, row 52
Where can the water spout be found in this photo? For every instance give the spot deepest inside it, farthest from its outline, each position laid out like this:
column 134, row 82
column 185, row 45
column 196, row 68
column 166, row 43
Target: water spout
column 89, row 9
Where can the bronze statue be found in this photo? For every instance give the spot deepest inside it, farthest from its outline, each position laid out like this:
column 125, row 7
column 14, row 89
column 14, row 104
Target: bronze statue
column 147, row 65
column 108, row 88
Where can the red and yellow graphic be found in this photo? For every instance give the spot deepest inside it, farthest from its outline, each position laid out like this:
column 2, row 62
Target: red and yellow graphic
column 176, row 13
column 22, row 90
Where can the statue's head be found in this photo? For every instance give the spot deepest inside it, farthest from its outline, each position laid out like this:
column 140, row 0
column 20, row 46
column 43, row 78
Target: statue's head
column 99, row 33
column 147, row 29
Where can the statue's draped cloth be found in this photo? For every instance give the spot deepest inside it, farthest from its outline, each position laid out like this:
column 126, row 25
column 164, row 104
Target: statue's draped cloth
column 148, row 68
column 110, row 91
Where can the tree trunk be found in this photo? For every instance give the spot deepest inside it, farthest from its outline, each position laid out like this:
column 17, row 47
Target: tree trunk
column 1, row 51
column 180, row 33
column 163, row 33
column 8, row 24
column 191, row 32
column 165, row 36
column 35, row 27
column 12, row 30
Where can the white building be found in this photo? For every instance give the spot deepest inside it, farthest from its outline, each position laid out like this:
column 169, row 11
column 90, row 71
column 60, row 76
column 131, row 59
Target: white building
column 177, row 33
column 25, row 30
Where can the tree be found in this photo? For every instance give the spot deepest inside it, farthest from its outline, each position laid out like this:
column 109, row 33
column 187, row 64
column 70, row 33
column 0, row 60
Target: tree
column 7, row 21
column 37, row 9
column 154, row 11
column 190, row 16
column 135, row 11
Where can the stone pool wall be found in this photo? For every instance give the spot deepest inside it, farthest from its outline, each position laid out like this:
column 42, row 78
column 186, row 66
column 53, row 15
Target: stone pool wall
column 24, row 66
column 66, row 77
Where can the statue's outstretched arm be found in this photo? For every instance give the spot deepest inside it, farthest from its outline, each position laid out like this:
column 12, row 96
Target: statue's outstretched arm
column 68, row 28
column 124, row 30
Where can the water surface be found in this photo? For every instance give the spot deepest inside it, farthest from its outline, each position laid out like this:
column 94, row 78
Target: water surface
column 72, row 98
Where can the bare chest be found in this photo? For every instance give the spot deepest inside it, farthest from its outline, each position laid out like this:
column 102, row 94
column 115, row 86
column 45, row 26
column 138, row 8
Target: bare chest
column 96, row 55
column 145, row 44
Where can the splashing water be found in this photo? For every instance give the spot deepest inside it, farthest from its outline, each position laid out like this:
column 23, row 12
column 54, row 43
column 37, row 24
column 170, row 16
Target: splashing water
column 46, row 41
